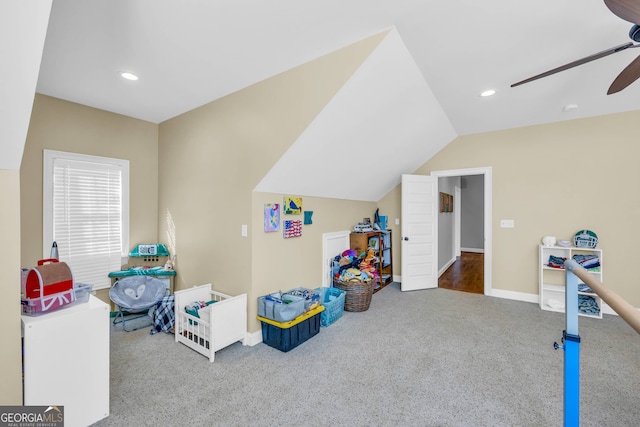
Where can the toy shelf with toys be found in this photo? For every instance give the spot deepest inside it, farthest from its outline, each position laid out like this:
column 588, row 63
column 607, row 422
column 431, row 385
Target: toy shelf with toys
column 374, row 248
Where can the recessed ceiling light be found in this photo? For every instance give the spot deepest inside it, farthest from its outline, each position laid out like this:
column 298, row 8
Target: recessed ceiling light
column 570, row 107
column 488, row 92
column 129, row 76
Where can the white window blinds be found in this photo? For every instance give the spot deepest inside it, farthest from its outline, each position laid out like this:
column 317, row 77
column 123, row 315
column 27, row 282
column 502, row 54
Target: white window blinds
column 88, row 213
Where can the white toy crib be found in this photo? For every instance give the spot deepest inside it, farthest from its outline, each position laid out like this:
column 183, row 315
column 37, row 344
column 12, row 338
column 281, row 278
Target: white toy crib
column 220, row 324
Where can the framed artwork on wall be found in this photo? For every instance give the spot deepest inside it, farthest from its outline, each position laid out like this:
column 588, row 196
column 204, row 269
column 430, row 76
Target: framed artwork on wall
column 446, row 202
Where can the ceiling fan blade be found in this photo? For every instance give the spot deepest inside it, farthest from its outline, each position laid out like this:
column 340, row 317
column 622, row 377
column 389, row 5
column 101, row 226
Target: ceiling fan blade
column 629, row 10
column 576, row 63
column 626, row 77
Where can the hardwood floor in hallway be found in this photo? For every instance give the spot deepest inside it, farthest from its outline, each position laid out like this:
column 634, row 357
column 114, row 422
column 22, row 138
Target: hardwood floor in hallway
column 466, row 274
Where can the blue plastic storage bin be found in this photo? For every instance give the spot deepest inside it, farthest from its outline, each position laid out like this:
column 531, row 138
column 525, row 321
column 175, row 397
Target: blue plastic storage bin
column 333, row 301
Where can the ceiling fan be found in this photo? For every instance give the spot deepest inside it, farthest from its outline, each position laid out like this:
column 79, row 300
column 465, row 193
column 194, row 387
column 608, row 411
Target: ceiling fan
column 629, row 10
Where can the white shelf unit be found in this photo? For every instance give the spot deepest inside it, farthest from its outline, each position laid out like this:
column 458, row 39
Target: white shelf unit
column 552, row 280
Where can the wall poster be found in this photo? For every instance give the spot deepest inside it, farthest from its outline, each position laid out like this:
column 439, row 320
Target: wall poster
column 292, row 205
column 271, row 217
column 292, row 228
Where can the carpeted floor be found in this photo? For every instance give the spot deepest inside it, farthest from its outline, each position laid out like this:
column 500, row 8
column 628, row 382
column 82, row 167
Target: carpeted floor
column 422, row 358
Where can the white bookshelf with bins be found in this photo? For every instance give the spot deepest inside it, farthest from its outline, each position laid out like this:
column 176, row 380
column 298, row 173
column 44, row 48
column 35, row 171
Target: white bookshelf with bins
column 552, row 280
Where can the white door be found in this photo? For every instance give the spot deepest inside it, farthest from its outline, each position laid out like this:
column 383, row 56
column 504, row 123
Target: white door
column 419, row 232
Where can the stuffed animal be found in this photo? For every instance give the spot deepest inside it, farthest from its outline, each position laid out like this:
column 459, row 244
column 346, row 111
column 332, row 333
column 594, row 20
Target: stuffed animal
column 356, row 275
column 344, row 261
column 349, row 253
column 350, row 274
column 370, row 258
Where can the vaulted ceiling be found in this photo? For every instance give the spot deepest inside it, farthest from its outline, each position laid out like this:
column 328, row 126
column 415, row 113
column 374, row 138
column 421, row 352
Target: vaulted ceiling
column 423, row 80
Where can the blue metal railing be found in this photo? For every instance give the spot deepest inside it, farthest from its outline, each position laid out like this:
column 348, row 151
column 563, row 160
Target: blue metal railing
column 571, row 338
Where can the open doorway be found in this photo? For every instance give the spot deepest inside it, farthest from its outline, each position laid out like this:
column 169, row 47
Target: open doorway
column 462, row 236
column 467, row 265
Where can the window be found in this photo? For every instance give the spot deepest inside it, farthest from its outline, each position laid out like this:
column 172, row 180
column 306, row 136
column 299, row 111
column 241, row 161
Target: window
column 86, row 211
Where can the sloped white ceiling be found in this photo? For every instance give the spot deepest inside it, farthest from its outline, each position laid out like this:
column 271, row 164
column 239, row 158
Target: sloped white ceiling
column 460, row 48
column 384, row 122
column 23, row 27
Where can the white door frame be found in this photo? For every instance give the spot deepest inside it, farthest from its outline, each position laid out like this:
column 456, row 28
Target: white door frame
column 488, row 214
column 332, row 244
column 457, row 220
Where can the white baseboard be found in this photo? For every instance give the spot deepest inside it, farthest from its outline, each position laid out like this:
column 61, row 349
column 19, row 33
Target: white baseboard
column 606, row 309
column 447, row 265
column 498, row 293
column 513, row 295
column 476, row 250
column 253, row 338
column 534, row 298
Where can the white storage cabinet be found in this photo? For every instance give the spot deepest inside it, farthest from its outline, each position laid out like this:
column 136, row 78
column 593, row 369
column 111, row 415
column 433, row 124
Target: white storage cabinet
column 66, row 361
column 552, row 280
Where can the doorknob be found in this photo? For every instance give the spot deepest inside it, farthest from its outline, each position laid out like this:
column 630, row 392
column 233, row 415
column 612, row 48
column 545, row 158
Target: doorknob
column 406, row 238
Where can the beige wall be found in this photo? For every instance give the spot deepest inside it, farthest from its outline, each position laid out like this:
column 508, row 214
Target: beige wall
column 192, row 179
column 554, row 180
column 10, row 356
column 65, row 126
column 192, row 193
column 212, row 158
column 281, row 264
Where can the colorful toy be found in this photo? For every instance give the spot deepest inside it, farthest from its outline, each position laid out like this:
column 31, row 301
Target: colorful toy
column 354, row 274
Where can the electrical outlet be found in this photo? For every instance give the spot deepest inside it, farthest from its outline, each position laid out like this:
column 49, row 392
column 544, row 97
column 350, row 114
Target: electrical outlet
column 244, row 230
column 397, row 221
column 507, row 223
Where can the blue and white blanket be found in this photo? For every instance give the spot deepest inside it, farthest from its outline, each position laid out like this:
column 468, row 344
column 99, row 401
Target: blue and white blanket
column 164, row 316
